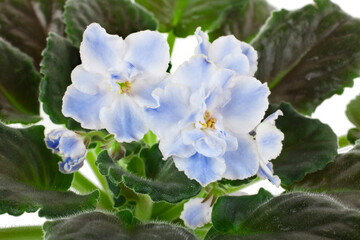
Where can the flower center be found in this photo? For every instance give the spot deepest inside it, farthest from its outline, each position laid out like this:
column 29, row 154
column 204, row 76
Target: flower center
column 125, row 87
column 209, row 121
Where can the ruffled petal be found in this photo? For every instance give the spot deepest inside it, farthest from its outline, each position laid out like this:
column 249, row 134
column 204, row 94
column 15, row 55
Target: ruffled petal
column 85, row 108
column 85, row 81
column 125, row 119
column 174, row 146
column 72, row 146
column 196, row 214
column 252, row 56
column 249, row 101
column 99, row 51
column 148, row 51
column 201, row 168
column 269, row 138
column 266, row 172
column 71, row 165
column 52, row 139
column 203, row 42
column 244, row 162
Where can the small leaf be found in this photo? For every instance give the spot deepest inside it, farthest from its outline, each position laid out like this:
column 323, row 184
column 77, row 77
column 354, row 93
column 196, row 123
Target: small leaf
column 339, row 177
column 244, row 20
column 308, row 55
column 163, row 182
column 353, row 111
column 184, row 16
column 101, row 226
column 120, row 17
column 308, row 145
column 353, row 135
column 30, row 179
column 230, row 211
column 26, row 24
column 60, row 58
column 19, row 84
column 295, row 216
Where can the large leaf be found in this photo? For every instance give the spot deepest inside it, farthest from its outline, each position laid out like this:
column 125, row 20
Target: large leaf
column 30, row 179
column 60, row 58
column 340, row 178
column 19, row 83
column 26, row 24
column 244, row 20
column 308, row 145
column 120, row 17
column 100, row 226
column 353, row 111
column 308, row 55
column 293, row 216
column 184, row 16
column 162, row 180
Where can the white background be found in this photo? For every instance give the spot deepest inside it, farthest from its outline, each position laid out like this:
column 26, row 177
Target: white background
column 331, row 111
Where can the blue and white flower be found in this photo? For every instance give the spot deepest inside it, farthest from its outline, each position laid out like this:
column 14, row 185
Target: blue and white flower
column 115, row 80
column 201, row 113
column 68, row 145
column 228, row 52
column 196, row 213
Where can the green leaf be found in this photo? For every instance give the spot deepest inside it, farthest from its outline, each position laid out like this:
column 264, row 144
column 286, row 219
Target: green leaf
column 308, row 145
column 26, row 24
column 120, row 17
column 101, row 226
column 60, row 58
column 353, row 111
column 308, row 55
column 295, row 216
column 162, row 181
column 19, row 84
column 244, row 20
column 184, row 16
column 226, row 216
column 341, row 177
column 353, row 135
column 30, row 179
column 23, row 233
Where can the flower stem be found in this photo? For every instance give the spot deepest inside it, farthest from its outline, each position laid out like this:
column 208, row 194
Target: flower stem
column 25, row 233
column 343, row 141
column 91, row 158
column 171, row 41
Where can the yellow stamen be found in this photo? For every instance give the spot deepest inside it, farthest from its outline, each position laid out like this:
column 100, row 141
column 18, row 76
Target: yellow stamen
column 125, row 87
column 209, row 121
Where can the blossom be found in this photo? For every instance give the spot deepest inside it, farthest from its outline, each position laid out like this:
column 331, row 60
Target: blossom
column 196, row 213
column 115, row 80
column 201, row 113
column 228, row 52
column 68, row 145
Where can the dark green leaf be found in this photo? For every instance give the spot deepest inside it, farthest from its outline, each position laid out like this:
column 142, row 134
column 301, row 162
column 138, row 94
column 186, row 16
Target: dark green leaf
column 184, row 16
column 353, row 111
column 26, row 24
column 163, row 182
column 100, row 226
column 60, row 58
column 236, row 183
column 244, row 20
column 120, row 17
column 19, row 86
column 308, row 145
column 296, row 216
column 353, row 135
column 230, row 211
column 30, row 179
column 309, row 54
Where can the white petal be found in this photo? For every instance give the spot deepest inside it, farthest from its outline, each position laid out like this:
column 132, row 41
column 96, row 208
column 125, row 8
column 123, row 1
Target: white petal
column 249, row 101
column 72, row 146
column 244, row 162
column 201, row 168
column 203, row 42
column 85, row 108
column 269, row 138
column 266, row 172
column 196, row 214
column 148, row 51
column 252, row 56
column 85, row 81
column 100, row 51
column 174, row 146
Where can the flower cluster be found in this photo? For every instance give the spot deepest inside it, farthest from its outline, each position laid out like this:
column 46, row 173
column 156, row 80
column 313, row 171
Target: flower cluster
column 68, row 145
column 207, row 114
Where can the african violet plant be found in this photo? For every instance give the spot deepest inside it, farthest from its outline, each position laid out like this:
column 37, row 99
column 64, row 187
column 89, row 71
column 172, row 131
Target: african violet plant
column 169, row 147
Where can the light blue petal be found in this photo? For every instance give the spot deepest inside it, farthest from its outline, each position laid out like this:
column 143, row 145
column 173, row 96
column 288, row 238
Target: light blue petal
column 148, row 51
column 53, row 138
column 266, row 172
column 85, row 81
column 249, row 101
column 72, row 146
column 85, row 108
column 237, row 62
column 244, row 162
column 203, row 42
column 99, row 51
column 125, row 119
column 175, row 146
column 196, row 213
column 70, row 165
column 252, row 56
column 201, row 168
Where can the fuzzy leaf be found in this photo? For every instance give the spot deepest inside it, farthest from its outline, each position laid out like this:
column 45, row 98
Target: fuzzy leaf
column 353, row 111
